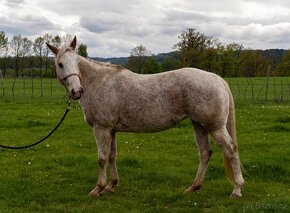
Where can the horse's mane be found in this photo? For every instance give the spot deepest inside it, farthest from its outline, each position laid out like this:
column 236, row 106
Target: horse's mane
column 107, row 64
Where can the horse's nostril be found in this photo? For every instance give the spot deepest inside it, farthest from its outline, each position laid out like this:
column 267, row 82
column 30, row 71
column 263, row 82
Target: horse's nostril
column 73, row 92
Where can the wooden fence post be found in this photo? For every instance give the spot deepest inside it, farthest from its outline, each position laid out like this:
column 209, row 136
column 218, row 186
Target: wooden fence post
column 2, row 83
column 282, row 91
column 267, row 82
column 252, row 87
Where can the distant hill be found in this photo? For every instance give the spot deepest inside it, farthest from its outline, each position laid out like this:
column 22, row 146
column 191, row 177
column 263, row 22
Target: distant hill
column 124, row 60
column 115, row 60
column 274, row 55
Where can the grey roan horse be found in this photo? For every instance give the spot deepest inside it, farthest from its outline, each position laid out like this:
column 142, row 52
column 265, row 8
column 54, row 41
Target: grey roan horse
column 115, row 99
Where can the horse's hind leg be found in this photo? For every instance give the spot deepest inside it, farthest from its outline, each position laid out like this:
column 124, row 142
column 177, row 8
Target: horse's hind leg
column 202, row 141
column 114, row 180
column 223, row 139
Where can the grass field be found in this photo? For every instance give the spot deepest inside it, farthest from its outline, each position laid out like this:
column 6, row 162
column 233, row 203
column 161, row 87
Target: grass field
column 155, row 169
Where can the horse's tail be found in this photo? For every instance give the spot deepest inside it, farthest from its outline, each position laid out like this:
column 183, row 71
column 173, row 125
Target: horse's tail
column 231, row 127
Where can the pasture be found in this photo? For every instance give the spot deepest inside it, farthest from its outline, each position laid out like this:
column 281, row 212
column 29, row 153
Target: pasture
column 154, row 169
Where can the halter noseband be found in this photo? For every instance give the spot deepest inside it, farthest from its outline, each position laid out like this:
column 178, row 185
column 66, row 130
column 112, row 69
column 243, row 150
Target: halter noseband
column 62, row 79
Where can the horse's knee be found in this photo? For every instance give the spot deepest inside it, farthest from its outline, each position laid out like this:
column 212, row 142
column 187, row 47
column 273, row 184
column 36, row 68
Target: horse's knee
column 102, row 162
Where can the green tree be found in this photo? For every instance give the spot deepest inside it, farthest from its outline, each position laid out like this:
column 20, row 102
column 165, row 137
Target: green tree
column 56, row 41
column 191, row 46
column 255, row 64
column 82, row 50
column 239, row 56
column 137, row 58
column 170, row 63
column 210, row 56
column 283, row 68
column 226, row 60
column 231, row 57
column 151, row 66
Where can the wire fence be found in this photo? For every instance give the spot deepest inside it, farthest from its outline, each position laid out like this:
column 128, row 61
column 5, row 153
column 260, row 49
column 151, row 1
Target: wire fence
column 243, row 89
column 260, row 88
column 31, row 87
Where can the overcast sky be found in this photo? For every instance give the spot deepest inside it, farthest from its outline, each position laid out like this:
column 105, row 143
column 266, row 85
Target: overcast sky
column 111, row 28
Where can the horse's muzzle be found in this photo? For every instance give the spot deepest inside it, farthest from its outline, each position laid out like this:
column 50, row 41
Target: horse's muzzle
column 76, row 94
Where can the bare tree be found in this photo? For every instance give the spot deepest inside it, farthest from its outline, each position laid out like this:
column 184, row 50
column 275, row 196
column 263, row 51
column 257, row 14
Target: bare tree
column 66, row 38
column 16, row 45
column 38, row 48
column 25, row 53
column 48, row 39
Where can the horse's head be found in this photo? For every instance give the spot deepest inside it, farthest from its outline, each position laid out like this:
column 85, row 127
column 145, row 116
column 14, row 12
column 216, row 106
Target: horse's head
column 67, row 68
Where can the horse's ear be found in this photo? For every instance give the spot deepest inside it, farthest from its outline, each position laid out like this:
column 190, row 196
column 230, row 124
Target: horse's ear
column 73, row 44
column 52, row 48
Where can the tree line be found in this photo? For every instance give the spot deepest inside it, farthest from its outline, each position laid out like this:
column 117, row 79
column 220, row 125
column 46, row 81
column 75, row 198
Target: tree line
column 20, row 56
column 195, row 49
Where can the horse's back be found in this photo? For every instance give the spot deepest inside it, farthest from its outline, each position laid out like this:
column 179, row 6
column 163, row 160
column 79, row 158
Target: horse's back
column 159, row 101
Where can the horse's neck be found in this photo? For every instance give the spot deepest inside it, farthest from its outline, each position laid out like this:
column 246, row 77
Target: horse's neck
column 90, row 71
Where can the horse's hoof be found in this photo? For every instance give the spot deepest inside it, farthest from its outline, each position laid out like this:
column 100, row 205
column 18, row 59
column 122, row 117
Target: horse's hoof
column 108, row 190
column 188, row 191
column 94, row 193
column 191, row 189
column 235, row 195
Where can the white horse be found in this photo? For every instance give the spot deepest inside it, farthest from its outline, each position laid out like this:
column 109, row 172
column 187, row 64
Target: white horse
column 114, row 99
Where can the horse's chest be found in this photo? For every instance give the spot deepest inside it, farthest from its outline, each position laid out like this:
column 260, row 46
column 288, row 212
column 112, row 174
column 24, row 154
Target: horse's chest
column 88, row 116
column 98, row 114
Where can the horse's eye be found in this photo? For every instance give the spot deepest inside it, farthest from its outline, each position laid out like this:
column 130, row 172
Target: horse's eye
column 60, row 65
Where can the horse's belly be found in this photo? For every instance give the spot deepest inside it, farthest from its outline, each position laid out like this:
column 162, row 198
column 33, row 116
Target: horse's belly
column 142, row 124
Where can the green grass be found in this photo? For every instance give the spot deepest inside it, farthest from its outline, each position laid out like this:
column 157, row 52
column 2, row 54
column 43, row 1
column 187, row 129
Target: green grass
column 155, row 169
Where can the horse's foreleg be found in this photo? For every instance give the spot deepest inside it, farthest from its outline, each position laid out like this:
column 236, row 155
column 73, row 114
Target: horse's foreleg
column 223, row 139
column 113, row 167
column 202, row 141
column 104, row 139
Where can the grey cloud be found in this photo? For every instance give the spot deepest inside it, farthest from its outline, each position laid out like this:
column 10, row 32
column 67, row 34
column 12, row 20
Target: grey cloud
column 103, row 22
column 14, row 3
column 94, row 26
column 27, row 25
column 114, row 27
